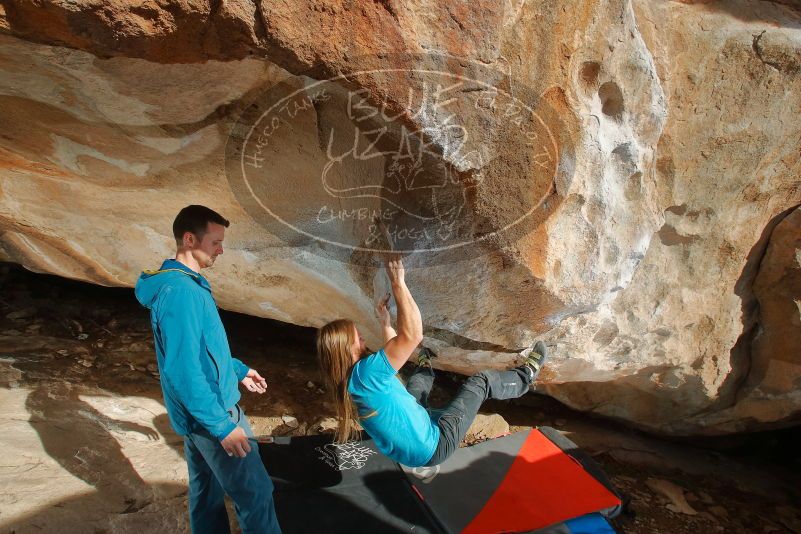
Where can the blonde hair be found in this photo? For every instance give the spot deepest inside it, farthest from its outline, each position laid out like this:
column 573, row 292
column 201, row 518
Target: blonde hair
column 334, row 342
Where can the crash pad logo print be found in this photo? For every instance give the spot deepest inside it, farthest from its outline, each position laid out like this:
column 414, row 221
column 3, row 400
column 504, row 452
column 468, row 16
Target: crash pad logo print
column 395, row 158
column 345, row 456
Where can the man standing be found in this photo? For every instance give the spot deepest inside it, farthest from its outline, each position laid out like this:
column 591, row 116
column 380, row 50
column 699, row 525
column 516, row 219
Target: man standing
column 199, row 381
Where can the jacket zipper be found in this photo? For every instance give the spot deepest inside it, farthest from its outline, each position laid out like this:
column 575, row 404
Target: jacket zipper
column 215, row 364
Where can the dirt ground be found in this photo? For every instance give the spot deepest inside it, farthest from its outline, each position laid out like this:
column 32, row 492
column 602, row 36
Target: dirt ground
column 89, row 448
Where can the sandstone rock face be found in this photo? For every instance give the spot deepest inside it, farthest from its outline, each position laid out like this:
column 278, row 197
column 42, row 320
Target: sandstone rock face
column 775, row 358
column 85, row 461
column 772, row 386
column 623, row 215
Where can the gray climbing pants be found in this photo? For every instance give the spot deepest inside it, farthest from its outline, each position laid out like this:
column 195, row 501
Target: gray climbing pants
column 456, row 418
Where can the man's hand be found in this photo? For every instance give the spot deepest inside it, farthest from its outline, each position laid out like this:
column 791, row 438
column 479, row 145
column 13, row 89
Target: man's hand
column 236, row 443
column 254, row 382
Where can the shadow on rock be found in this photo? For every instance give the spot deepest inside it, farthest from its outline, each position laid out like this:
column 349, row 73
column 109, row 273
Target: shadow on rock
column 79, row 438
column 89, row 513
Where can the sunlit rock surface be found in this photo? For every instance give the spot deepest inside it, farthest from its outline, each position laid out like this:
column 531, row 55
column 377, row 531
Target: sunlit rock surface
column 652, row 171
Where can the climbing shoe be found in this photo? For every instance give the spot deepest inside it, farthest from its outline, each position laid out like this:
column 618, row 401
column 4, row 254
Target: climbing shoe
column 534, row 359
column 424, row 357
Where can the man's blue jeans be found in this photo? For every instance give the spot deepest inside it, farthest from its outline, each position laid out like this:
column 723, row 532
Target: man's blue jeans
column 212, row 474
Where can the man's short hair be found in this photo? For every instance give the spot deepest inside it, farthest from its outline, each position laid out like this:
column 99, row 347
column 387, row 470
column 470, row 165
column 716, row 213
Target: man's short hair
column 195, row 219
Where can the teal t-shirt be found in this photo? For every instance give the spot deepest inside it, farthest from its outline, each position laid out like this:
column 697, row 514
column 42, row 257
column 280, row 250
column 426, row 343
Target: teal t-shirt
column 399, row 426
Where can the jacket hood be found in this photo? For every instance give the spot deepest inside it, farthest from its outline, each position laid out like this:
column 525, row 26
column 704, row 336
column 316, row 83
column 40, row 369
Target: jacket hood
column 151, row 282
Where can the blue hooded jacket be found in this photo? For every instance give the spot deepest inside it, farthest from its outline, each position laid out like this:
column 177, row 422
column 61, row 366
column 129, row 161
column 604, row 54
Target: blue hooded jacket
column 199, row 377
